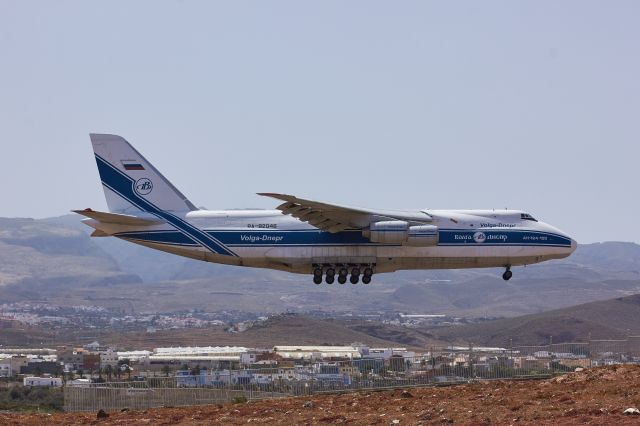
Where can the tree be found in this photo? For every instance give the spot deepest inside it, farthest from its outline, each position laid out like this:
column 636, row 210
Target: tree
column 108, row 371
column 58, row 371
column 166, row 370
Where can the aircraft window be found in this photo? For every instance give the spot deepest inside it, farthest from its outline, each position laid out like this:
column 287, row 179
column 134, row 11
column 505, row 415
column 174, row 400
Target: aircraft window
column 527, row 216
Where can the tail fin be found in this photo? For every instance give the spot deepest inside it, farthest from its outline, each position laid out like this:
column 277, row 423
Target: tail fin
column 130, row 182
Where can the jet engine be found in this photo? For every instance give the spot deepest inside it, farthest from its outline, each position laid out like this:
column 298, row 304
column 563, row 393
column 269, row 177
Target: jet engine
column 400, row 232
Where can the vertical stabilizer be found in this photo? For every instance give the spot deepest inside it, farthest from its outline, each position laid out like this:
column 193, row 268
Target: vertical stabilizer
column 130, row 182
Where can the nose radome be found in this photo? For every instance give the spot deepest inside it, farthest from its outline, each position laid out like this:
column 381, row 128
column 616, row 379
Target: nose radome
column 553, row 229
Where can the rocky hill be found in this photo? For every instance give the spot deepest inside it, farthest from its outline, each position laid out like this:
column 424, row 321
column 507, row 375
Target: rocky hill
column 608, row 319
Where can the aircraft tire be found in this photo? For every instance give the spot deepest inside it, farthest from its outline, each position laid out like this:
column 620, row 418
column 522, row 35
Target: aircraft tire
column 317, row 279
column 342, row 279
column 507, row 275
column 366, row 279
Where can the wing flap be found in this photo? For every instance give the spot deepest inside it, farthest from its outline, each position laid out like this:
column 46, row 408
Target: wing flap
column 324, row 216
column 336, row 218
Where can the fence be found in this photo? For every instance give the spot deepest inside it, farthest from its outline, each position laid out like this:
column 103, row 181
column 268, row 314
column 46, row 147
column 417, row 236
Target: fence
column 443, row 366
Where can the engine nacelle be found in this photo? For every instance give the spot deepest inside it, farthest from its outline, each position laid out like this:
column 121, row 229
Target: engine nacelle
column 399, row 232
column 423, row 236
column 388, row 232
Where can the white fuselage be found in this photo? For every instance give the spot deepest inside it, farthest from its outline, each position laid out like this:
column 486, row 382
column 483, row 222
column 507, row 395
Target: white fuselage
column 269, row 239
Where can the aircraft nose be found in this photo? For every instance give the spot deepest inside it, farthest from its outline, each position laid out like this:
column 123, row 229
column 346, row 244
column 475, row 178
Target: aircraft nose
column 574, row 245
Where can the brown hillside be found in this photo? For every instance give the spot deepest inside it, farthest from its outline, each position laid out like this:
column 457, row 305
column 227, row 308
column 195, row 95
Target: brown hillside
column 278, row 330
column 609, row 319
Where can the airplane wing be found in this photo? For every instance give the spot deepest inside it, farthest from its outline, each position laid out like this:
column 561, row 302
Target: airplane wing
column 335, row 217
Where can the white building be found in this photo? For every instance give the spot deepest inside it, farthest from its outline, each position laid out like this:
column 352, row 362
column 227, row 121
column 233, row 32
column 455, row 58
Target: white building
column 387, row 353
column 134, row 356
column 48, row 382
column 80, row 383
column 11, row 366
column 108, row 357
column 316, row 352
column 247, row 358
column 197, row 354
column 5, row 367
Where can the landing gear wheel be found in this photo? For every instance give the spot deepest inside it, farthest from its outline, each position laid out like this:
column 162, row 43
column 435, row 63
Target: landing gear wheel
column 342, row 275
column 507, row 275
column 366, row 275
column 317, row 272
column 317, row 279
column 331, row 274
column 355, row 275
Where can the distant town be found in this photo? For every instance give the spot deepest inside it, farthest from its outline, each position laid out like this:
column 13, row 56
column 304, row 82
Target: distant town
column 338, row 365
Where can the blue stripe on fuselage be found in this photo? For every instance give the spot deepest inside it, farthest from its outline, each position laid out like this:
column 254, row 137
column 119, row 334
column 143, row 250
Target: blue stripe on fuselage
column 501, row 237
column 123, row 185
column 264, row 238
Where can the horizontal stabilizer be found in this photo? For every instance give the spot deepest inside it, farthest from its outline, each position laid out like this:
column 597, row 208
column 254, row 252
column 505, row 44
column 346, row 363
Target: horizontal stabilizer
column 119, row 219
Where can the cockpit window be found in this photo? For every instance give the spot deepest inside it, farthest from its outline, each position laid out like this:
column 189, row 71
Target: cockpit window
column 527, row 216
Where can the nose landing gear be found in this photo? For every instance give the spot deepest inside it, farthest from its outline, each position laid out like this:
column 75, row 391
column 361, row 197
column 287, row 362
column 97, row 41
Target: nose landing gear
column 507, row 274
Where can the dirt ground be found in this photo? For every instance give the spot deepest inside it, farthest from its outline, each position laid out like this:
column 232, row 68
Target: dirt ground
column 594, row 397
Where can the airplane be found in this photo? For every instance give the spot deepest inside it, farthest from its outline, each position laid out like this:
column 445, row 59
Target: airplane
column 328, row 241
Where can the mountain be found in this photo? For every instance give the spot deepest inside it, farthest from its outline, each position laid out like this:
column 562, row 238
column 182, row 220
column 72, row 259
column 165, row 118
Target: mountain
column 608, row 319
column 37, row 255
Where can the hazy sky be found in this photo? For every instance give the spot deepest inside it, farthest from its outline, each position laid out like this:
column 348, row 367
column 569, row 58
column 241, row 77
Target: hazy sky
column 531, row 105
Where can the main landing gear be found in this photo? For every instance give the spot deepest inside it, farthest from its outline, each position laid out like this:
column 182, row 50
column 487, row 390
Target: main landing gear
column 507, row 274
column 329, row 272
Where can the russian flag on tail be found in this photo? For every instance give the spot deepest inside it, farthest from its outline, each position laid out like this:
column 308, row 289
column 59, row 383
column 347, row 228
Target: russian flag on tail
column 132, row 165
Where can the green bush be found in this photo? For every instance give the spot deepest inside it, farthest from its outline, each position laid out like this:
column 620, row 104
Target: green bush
column 21, row 398
column 239, row 399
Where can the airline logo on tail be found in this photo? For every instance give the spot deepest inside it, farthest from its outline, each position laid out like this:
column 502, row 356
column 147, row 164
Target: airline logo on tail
column 143, row 186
